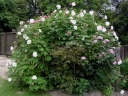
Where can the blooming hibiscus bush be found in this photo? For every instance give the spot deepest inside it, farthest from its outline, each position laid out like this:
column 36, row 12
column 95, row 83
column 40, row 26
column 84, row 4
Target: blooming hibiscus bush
column 67, row 50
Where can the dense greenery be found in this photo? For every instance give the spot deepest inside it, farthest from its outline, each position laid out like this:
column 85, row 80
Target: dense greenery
column 8, row 18
column 68, row 50
column 121, row 23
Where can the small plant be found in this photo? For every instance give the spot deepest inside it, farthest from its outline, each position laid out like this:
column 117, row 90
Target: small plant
column 108, row 90
column 82, row 87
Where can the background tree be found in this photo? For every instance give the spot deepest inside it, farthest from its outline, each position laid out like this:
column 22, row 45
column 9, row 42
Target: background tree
column 8, row 18
column 121, row 23
column 22, row 10
column 35, row 7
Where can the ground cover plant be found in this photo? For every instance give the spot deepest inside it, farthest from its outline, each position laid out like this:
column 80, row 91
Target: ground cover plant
column 69, row 50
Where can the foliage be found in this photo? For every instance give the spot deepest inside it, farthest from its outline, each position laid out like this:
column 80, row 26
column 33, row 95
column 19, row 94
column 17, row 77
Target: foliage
column 124, row 73
column 38, row 7
column 22, row 10
column 121, row 23
column 65, row 50
column 8, row 19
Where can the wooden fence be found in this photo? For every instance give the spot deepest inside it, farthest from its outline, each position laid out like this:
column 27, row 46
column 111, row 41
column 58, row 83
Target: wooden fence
column 7, row 40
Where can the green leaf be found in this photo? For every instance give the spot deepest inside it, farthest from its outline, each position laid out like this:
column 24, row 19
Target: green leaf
column 48, row 58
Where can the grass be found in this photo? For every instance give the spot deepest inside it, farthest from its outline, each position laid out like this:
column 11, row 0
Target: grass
column 7, row 90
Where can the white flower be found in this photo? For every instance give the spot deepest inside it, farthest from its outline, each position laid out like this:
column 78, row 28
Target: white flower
column 73, row 22
column 99, row 27
column 31, row 20
column 34, row 77
column 70, row 17
column 114, row 33
column 19, row 33
column 111, row 27
column 73, row 4
column 9, row 79
column 91, row 12
column 25, row 26
column 60, row 11
column 21, row 22
column 84, row 11
column 14, row 64
column 107, row 23
column 104, row 29
column 75, row 27
column 9, row 62
column 81, row 14
column 11, row 48
column 34, row 54
column 40, row 30
column 43, row 19
column 95, row 23
column 27, row 38
column 73, row 13
column 58, row 7
column 122, row 92
column 67, row 12
column 29, row 42
column 24, row 36
column 54, row 11
column 119, row 62
column 105, row 17
column 22, row 30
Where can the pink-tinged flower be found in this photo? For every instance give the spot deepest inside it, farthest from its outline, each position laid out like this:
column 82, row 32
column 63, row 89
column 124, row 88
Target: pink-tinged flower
column 95, row 41
column 45, row 16
column 94, row 36
column 83, row 58
column 104, row 29
column 36, row 21
column 103, row 53
column 100, row 55
column 67, row 12
column 114, row 63
column 107, row 40
column 68, row 32
column 104, row 42
column 111, row 51
column 100, row 37
column 99, row 27
column 86, row 25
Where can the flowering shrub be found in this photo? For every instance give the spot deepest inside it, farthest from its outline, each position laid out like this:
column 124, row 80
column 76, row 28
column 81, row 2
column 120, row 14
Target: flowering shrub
column 66, row 50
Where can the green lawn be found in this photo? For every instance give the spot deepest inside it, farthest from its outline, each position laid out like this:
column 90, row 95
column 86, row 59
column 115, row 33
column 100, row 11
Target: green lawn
column 7, row 90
